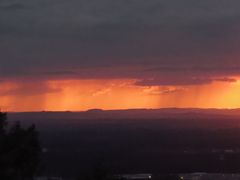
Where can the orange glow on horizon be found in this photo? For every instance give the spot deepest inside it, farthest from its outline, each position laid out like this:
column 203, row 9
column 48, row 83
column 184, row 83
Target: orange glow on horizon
column 76, row 95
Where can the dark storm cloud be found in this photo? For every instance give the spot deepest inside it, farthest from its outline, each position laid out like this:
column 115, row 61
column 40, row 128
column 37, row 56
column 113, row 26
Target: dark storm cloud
column 231, row 80
column 181, row 81
column 13, row 6
column 131, row 38
column 197, row 70
column 60, row 73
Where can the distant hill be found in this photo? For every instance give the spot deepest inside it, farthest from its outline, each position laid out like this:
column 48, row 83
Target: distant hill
column 134, row 113
column 169, row 117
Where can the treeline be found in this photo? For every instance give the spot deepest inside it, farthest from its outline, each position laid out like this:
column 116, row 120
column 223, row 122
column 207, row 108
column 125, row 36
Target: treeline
column 19, row 151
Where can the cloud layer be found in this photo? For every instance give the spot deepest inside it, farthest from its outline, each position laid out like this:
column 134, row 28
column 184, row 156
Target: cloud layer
column 158, row 42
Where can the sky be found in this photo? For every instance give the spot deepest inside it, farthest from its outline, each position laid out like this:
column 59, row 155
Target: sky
column 83, row 54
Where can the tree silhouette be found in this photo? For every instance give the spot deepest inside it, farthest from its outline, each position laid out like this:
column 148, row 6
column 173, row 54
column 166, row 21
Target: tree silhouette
column 19, row 151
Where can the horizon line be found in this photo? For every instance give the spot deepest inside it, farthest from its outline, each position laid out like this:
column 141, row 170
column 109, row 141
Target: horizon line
column 133, row 109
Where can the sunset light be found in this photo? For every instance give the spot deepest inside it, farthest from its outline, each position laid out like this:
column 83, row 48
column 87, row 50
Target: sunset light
column 78, row 95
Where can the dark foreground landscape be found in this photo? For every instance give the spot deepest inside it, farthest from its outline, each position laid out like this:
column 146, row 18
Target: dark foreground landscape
column 137, row 141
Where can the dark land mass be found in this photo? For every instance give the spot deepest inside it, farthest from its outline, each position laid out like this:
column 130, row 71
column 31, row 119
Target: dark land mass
column 138, row 141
